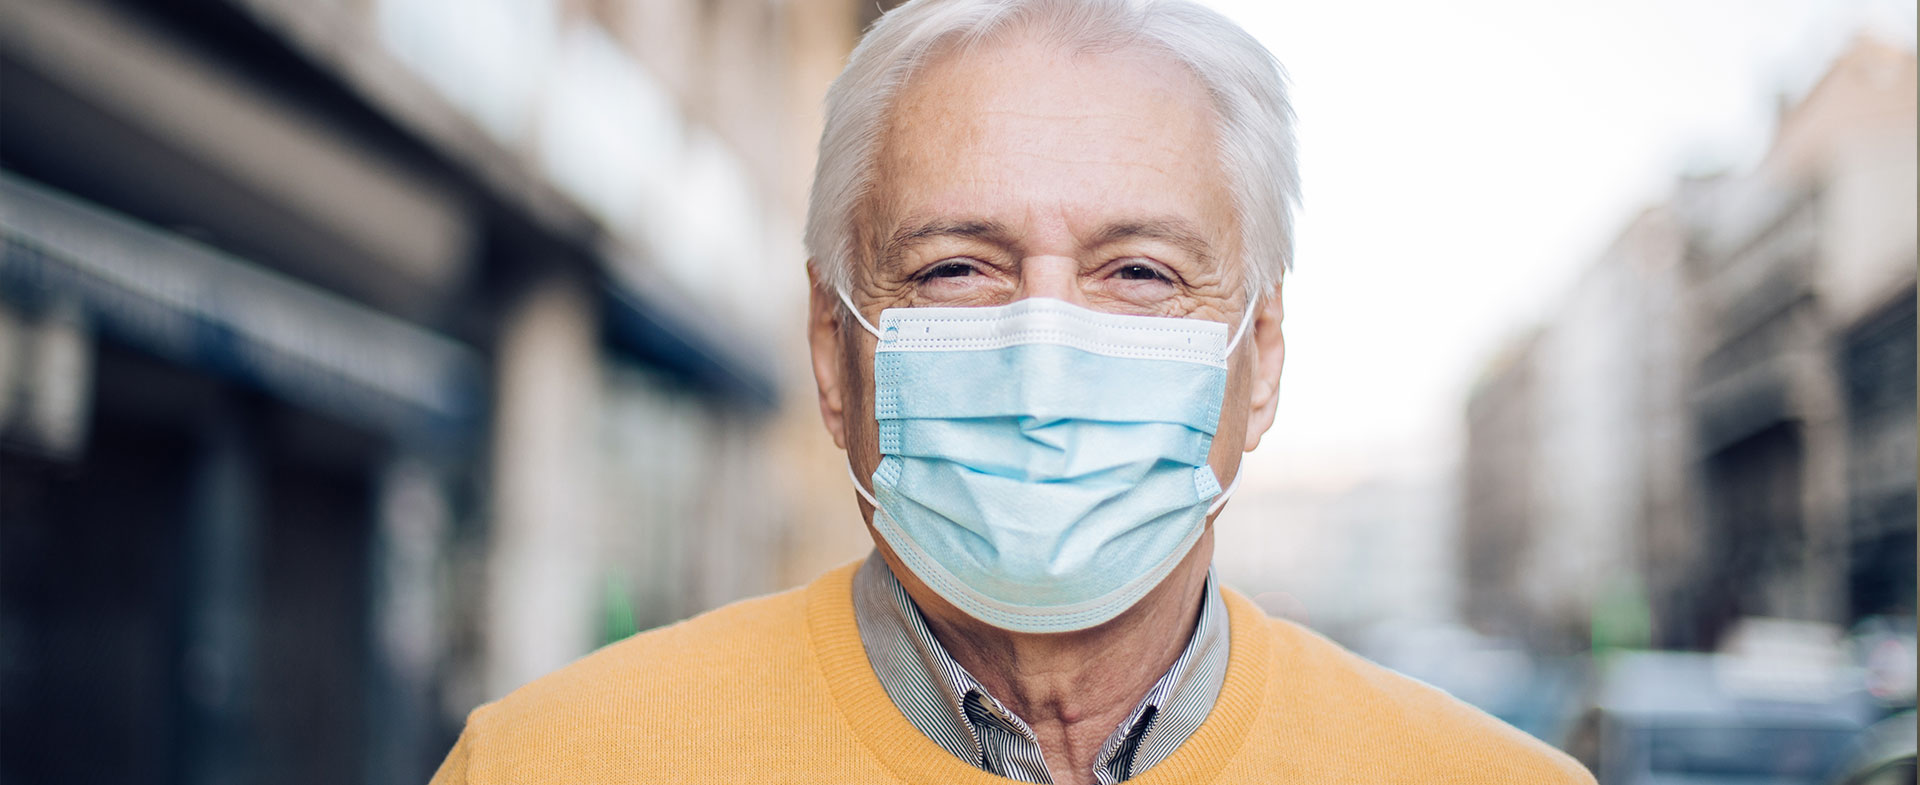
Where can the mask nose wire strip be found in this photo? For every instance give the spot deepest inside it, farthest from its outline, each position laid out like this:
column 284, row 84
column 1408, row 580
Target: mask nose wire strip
column 863, row 323
column 1245, row 321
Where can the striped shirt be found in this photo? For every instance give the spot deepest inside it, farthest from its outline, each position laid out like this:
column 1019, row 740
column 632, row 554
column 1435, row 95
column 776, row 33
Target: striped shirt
column 945, row 702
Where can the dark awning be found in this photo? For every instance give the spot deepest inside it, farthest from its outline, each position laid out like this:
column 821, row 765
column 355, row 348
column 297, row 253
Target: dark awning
column 206, row 309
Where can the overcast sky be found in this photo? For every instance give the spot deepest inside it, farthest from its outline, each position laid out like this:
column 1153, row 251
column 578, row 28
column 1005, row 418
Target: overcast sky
column 1464, row 160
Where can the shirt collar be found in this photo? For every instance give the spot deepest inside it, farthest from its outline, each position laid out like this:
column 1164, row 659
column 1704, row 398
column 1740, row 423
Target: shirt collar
column 947, row 704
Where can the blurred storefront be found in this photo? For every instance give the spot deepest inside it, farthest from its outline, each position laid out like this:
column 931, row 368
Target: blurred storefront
column 362, row 360
column 1719, row 422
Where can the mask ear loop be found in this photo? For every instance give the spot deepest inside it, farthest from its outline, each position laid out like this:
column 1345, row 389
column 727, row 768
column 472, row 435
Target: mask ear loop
column 1221, row 500
column 1245, row 323
column 858, row 486
column 856, row 313
column 861, row 488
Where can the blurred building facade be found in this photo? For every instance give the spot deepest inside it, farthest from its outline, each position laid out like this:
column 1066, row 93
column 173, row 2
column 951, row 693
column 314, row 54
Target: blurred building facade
column 1573, row 441
column 1345, row 556
column 362, row 360
column 1719, row 421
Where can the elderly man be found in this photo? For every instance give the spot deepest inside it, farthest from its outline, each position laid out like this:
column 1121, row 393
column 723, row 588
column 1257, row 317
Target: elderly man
column 1048, row 239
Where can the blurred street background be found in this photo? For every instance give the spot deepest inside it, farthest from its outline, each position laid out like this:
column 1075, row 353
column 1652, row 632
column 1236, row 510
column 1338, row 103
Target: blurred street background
column 361, row 360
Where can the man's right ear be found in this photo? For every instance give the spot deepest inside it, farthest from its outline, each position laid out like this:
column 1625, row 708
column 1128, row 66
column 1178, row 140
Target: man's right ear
column 824, row 341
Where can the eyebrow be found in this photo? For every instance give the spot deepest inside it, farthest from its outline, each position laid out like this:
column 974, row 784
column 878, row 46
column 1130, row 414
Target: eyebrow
column 911, row 235
column 1172, row 231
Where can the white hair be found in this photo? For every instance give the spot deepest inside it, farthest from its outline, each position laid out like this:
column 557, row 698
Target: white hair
column 1244, row 80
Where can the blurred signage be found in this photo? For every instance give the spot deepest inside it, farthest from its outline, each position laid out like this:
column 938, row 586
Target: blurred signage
column 196, row 306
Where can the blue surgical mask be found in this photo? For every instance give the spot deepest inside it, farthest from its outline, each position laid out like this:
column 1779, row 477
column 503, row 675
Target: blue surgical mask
column 1043, row 465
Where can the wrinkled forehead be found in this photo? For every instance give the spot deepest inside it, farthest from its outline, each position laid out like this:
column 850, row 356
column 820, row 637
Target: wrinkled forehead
column 1023, row 123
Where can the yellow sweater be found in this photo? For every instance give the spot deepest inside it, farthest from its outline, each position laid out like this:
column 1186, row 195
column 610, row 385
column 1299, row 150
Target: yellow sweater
column 778, row 689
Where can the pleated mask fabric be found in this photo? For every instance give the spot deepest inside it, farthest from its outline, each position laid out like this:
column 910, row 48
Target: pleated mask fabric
column 1043, row 465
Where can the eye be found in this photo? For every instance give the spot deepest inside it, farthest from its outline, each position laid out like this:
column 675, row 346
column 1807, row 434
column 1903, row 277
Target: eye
column 1137, row 271
column 949, row 269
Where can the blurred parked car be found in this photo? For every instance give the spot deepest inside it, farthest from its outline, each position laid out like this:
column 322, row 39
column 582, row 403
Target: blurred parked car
column 1882, row 754
column 1673, row 718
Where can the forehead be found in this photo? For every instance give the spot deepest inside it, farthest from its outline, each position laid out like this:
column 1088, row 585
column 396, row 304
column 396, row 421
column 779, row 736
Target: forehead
column 1024, row 129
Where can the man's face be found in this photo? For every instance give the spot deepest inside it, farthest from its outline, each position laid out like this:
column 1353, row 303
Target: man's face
column 1020, row 170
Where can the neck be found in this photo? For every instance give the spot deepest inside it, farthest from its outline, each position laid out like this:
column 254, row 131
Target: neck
column 1074, row 688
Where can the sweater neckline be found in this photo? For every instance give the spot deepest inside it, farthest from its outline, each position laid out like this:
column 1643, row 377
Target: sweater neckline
column 906, row 752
